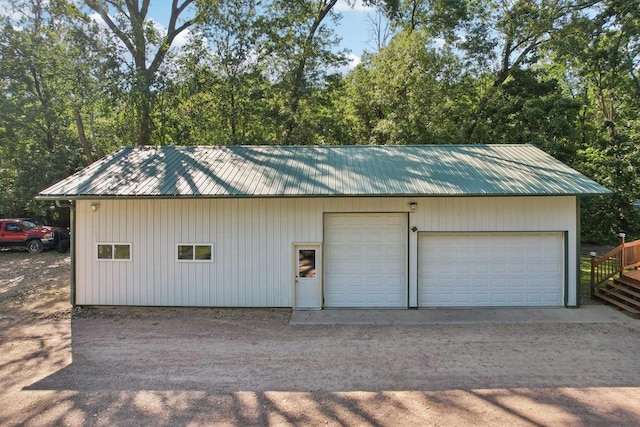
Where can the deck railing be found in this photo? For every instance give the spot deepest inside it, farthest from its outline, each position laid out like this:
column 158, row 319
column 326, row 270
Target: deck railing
column 623, row 257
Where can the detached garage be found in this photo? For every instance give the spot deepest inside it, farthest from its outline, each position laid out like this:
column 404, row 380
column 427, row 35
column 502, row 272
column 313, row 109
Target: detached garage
column 326, row 227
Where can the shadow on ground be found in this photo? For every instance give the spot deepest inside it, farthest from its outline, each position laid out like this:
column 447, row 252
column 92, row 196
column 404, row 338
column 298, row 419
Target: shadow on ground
column 514, row 407
column 249, row 367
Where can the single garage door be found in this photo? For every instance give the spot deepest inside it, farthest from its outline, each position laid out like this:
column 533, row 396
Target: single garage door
column 365, row 260
column 490, row 269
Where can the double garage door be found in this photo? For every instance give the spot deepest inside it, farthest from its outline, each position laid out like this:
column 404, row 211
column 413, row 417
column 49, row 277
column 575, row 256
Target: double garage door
column 366, row 266
column 490, row 269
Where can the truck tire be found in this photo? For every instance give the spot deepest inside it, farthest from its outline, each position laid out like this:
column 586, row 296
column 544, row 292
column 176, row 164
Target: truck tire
column 62, row 246
column 35, row 246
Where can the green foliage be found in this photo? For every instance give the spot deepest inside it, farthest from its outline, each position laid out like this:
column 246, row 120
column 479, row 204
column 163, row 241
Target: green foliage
column 298, row 51
column 585, row 275
column 41, row 67
column 532, row 109
column 602, row 53
column 436, row 17
column 146, row 51
column 616, row 166
column 406, row 94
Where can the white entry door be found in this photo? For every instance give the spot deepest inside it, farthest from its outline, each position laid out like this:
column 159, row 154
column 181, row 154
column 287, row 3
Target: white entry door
column 308, row 277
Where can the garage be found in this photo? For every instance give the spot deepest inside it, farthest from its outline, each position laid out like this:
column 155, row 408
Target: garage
column 507, row 269
column 365, row 260
column 382, row 226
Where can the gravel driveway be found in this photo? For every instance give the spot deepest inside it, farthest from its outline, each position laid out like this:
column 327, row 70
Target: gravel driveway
column 134, row 366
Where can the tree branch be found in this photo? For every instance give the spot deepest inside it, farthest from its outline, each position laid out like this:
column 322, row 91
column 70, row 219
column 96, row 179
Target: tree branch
column 172, row 32
column 112, row 26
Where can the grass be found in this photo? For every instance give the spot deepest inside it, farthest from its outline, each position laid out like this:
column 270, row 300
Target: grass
column 585, row 275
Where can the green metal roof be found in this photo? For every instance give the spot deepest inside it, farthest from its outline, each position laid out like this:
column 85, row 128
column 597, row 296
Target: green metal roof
column 298, row 171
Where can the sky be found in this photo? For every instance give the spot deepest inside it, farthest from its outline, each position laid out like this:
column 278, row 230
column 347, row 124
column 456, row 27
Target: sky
column 353, row 28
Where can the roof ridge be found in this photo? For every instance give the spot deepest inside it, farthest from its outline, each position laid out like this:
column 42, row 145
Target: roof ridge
column 332, row 146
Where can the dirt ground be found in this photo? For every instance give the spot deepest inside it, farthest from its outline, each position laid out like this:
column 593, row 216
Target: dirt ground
column 164, row 366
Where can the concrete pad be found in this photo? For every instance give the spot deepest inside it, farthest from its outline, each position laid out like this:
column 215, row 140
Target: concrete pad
column 584, row 314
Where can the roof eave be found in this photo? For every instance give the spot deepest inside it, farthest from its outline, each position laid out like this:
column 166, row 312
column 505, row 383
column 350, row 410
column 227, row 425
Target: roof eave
column 53, row 197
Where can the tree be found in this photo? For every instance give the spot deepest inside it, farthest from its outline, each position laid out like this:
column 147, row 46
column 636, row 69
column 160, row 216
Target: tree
column 232, row 34
column 532, row 108
column 41, row 139
column 505, row 36
column 602, row 53
column 380, row 31
column 254, row 73
column 298, row 49
column 219, row 90
column 408, row 93
column 131, row 26
column 435, row 17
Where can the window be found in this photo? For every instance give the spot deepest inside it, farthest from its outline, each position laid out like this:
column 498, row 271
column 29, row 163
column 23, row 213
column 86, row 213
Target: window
column 307, row 263
column 114, row 251
column 15, row 228
column 195, row 252
column 28, row 224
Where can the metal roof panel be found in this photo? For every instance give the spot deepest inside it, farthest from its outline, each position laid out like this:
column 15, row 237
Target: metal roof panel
column 297, row 171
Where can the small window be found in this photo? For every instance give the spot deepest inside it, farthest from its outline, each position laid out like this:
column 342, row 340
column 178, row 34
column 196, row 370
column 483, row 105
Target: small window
column 115, row 251
column 121, row 252
column 105, row 251
column 15, row 228
column 195, row 252
column 307, row 263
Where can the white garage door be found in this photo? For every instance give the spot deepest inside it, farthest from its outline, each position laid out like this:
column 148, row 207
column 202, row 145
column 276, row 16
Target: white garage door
column 365, row 260
column 490, row 269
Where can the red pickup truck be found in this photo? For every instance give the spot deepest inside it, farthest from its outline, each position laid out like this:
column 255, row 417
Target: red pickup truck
column 32, row 234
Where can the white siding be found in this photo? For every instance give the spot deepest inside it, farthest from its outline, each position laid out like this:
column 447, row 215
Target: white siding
column 253, row 243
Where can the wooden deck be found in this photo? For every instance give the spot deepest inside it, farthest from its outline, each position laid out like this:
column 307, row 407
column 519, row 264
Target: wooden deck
column 634, row 274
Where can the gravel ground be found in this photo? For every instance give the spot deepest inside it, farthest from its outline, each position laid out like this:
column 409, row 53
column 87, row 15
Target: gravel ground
column 166, row 366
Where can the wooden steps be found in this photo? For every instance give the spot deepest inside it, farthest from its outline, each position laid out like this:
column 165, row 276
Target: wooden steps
column 624, row 293
column 628, row 282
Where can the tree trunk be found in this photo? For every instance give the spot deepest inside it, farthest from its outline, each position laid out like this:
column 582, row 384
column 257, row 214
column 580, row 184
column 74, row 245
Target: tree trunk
column 143, row 133
column 298, row 80
column 136, row 43
column 86, row 147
